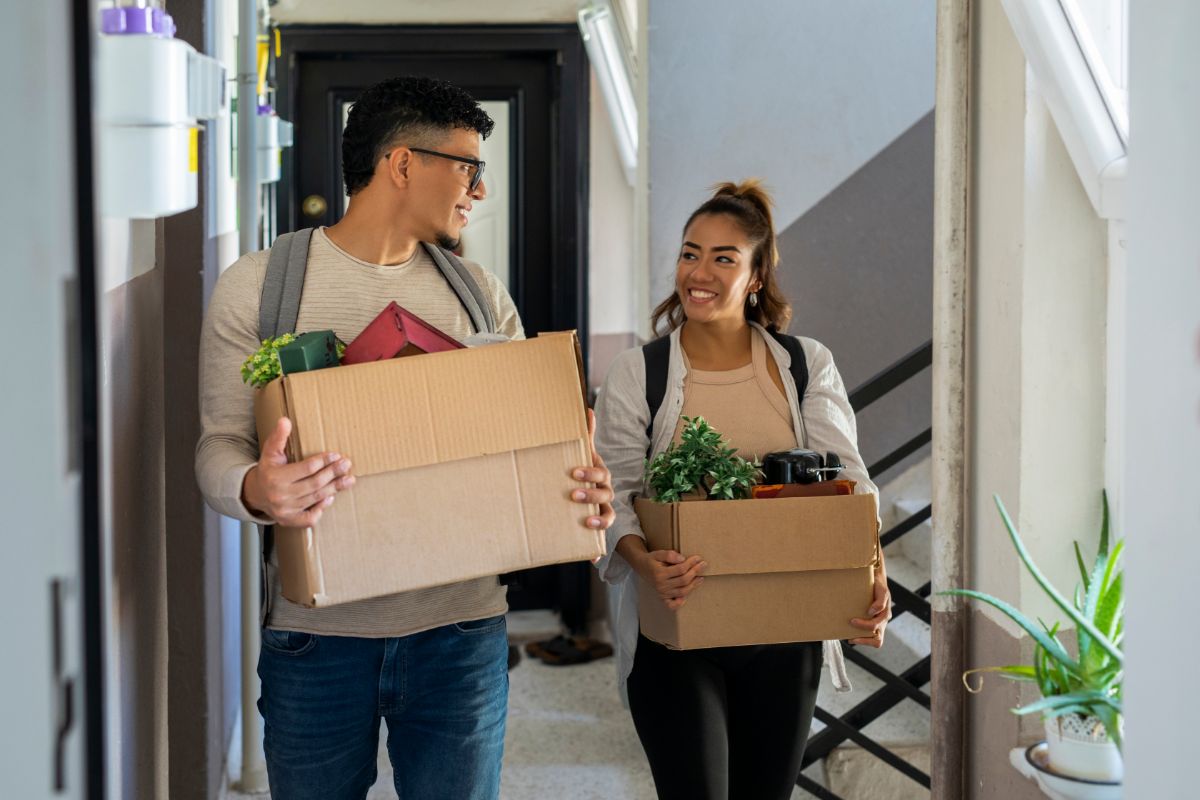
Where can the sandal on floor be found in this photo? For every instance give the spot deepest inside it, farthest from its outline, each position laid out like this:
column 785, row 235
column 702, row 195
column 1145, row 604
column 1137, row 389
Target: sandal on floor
column 563, row 651
column 535, row 649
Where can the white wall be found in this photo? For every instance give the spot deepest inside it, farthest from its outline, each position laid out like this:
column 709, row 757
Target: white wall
column 1162, row 398
column 800, row 94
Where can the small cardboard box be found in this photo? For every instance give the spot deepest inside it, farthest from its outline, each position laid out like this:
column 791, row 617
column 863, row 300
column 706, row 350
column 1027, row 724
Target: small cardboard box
column 309, row 352
column 462, row 461
column 789, row 569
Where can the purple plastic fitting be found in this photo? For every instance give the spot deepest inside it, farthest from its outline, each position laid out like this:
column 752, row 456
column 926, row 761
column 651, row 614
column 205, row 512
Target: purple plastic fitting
column 127, row 20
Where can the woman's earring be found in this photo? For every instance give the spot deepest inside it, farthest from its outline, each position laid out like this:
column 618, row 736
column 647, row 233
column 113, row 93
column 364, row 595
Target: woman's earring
column 753, row 299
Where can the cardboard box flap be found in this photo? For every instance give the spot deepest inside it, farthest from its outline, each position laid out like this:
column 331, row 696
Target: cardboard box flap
column 428, row 409
column 818, row 533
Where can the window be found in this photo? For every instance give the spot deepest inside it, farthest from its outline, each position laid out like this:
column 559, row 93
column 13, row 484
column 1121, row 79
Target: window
column 1101, row 27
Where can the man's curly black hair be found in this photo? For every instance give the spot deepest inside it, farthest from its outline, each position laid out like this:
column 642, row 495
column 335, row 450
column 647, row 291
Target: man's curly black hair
column 413, row 111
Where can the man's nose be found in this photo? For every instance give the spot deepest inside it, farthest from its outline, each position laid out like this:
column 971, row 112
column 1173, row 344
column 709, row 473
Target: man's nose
column 480, row 192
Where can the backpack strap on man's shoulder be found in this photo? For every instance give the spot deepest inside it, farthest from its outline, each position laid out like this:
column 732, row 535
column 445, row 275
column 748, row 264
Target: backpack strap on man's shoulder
column 657, row 355
column 799, row 367
column 283, row 285
column 278, row 310
column 465, row 286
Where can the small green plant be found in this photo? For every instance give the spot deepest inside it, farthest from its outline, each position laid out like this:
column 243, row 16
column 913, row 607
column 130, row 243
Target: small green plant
column 702, row 461
column 1090, row 684
column 262, row 367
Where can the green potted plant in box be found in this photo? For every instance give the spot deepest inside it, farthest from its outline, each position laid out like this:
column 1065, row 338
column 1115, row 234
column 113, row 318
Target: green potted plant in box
column 701, row 463
column 1080, row 692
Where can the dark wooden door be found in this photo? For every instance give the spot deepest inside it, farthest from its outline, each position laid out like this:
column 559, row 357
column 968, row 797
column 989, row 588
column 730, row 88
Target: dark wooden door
column 541, row 73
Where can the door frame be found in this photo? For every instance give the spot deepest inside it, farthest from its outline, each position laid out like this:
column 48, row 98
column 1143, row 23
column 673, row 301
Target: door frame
column 560, row 44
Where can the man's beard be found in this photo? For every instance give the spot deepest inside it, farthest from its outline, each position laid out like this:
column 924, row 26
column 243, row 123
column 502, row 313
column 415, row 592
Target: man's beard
column 447, row 242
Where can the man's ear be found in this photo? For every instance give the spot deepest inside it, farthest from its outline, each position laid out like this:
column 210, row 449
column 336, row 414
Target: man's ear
column 397, row 164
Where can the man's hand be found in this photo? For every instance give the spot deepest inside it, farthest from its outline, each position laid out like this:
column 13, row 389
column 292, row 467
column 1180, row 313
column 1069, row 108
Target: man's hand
column 671, row 575
column 597, row 473
column 293, row 495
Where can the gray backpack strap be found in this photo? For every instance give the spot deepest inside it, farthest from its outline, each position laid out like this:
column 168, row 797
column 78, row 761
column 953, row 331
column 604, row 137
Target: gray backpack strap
column 278, row 309
column 465, row 286
column 284, row 283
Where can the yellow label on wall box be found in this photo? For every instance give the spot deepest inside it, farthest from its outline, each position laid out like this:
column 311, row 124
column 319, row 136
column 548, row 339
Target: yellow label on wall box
column 193, row 150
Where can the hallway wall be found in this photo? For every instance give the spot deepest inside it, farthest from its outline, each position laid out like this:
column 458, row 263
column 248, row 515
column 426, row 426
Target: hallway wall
column 133, row 485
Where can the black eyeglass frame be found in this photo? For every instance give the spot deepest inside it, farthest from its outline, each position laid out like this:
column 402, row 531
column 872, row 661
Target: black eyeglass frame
column 475, row 162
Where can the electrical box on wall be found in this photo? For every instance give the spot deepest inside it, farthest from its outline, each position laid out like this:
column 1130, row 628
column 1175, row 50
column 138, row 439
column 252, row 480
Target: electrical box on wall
column 273, row 135
column 151, row 94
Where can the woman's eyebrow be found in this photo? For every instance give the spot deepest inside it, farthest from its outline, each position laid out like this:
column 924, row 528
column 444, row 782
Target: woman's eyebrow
column 715, row 249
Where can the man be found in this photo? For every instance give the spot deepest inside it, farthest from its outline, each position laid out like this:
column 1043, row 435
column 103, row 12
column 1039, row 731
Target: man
column 432, row 662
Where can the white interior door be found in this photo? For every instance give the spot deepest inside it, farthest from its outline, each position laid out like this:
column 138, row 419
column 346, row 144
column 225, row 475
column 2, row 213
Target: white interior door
column 41, row 688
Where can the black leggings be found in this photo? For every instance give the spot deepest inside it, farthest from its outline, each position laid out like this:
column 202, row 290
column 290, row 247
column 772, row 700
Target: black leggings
column 724, row 723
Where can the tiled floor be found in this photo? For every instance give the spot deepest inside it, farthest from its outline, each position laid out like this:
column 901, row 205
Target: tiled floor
column 568, row 737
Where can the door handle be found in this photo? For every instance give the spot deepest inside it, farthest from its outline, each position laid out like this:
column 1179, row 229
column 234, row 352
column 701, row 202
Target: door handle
column 64, row 688
column 314, row 206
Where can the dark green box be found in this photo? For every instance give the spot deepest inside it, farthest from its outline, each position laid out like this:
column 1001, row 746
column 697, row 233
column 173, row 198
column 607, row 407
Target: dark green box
column 316, row 350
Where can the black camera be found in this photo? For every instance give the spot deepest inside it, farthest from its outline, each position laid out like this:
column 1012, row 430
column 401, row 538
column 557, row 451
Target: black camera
column 800, row 466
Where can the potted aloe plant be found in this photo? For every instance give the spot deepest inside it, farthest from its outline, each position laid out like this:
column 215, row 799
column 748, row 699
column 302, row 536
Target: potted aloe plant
column 1081, row 692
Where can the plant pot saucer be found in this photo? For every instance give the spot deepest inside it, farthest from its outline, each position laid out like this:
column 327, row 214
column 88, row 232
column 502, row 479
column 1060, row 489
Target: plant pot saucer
column 1033, row 762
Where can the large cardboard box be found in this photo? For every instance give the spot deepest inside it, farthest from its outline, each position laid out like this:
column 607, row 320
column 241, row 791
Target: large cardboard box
column 463, row 462
column 792, row 569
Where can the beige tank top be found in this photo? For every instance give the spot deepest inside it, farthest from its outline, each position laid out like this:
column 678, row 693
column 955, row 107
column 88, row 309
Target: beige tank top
column 744, row 404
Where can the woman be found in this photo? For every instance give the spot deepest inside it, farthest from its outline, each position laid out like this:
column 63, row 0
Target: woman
column 728, row 722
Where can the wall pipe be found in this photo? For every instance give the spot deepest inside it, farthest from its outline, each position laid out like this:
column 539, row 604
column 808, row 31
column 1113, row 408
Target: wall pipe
column 254, row 770
column 951, row 170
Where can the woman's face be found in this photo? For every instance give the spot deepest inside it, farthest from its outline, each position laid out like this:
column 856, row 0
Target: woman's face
column 713, row 277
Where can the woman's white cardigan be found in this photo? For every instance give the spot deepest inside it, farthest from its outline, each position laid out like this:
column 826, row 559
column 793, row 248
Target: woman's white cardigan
column 822, row 419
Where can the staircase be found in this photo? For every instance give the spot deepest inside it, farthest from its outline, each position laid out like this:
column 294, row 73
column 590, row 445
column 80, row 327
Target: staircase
column 874, row 742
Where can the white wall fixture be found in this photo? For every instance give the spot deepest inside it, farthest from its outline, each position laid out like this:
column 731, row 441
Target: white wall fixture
column 598, row 27
column 151, row 93
column 274, row 134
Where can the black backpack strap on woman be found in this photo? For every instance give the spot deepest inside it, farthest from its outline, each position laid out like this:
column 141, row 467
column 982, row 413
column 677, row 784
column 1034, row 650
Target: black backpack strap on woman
column 657, row 355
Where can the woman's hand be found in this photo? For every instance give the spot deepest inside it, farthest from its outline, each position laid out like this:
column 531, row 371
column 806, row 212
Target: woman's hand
column 670, row 574
column 878, row 614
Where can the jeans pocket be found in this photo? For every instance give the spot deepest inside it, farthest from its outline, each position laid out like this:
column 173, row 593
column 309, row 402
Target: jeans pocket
column 287, row 643
column 480, row 626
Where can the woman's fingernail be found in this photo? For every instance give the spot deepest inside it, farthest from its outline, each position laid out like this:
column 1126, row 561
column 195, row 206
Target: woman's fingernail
column 595, row 522
column 578, row 474
column 579, row 494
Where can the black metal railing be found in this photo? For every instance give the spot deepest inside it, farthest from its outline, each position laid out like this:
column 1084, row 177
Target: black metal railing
column 908, row 684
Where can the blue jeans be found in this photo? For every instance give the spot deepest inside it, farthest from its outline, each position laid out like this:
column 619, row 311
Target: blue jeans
column 443, row 692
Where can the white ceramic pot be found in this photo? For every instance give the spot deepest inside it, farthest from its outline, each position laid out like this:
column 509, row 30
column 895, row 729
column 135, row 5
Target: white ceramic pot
column 1080, row 747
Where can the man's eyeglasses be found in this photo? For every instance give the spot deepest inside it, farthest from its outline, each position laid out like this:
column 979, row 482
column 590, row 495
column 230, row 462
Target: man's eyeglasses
column 476, row 174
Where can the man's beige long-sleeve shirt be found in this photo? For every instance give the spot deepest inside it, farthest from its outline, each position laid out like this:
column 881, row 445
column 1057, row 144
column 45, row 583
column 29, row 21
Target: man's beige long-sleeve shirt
column 344, row 294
